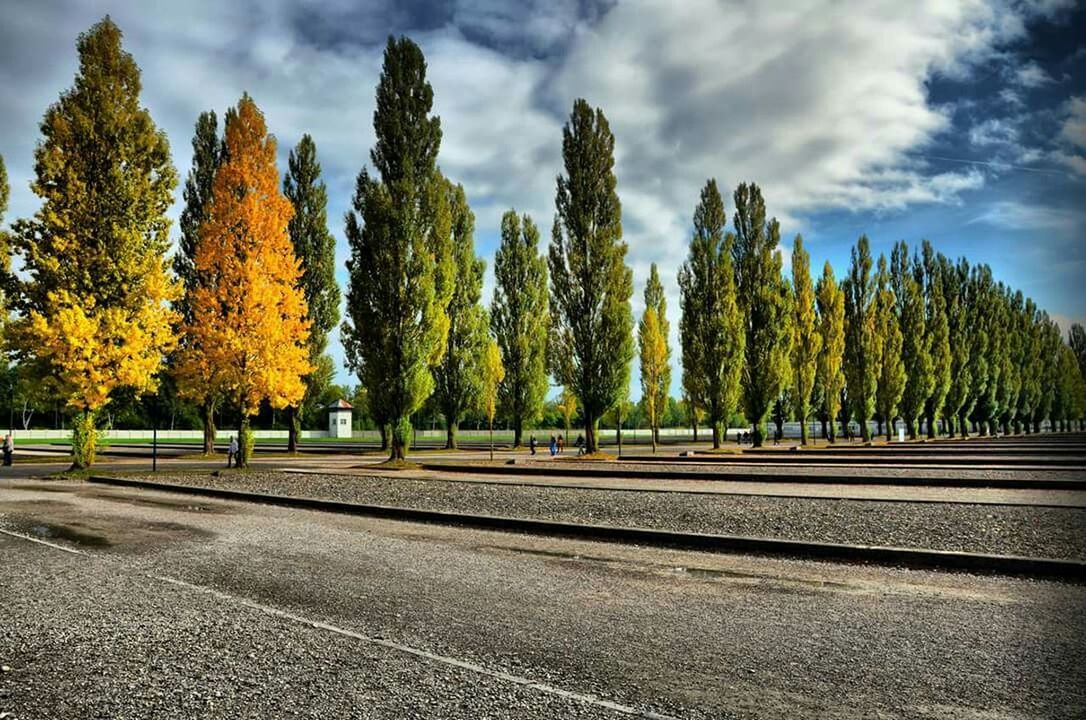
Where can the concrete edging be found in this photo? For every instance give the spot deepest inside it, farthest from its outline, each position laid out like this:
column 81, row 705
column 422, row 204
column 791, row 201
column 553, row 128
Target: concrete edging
column 1068, row 570
column 546, row 468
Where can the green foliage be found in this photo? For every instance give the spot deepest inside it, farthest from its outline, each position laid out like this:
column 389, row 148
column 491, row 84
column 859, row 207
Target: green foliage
column 1076, row 338
column 315, row 248
column 907, row 281
column 84, row 440
column 711, row 327
column 831, row 316
column 937, row 333
column 458, row 378
column 955, row 288
column 765, row 302
column 401, row 269
column 861, row 343
column 520, row 321
column 655, row 353
column 807, row 346
column 207, row 156
column 888, row 348
column 591, row 284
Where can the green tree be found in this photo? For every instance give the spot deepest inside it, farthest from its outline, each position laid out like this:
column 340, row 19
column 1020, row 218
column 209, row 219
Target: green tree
column 1076, row 336
column 861, row 343
column 94, row 289
column 520, row 321
column 491, row 373
column 891, row 377
column 208, row 152
column 808, row 337
column 458, row 378
column 831, row 318
column 654, row 355
column 315, row 247
column 401, row 266
column 985, row 348
column 656, row 299
column 955, row 284
column 5, row 242
column 916, row 356
column 765, row 302
column 591, row 284
column 711, row 328
column 1031, row 368
column 1048, row 348
column 937, row 334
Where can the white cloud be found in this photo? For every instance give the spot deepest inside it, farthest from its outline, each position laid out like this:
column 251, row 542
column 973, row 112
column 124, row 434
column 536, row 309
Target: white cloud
column 993, row 131
column 1031, row 75
column 1013, row 215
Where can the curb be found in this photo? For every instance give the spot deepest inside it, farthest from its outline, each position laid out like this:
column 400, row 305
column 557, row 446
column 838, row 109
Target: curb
column 1049, row 568
column 548, row 469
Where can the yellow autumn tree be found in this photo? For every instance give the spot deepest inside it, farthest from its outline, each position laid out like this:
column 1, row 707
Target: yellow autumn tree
column 493, row 372
column 93, row 292
column 249, row 325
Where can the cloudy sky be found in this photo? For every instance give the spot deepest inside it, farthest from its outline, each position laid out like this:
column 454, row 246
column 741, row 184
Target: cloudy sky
column 960, row 122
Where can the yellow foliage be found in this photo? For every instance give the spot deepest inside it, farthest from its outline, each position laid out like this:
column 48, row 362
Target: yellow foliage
column 248, row 336
column 94, row 349
column 493, row 374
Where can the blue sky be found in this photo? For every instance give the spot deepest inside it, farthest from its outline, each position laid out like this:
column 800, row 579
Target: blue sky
column 960, row 122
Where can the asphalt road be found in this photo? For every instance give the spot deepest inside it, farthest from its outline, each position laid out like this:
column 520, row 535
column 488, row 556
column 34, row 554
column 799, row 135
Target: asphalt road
column 180, row 607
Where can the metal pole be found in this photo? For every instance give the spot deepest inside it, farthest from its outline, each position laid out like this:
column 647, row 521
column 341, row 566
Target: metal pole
column 154, row 447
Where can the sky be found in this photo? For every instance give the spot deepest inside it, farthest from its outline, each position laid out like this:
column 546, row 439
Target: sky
column 963, row 123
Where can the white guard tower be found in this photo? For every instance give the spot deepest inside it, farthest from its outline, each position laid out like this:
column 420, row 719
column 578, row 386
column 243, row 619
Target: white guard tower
column 339, row 419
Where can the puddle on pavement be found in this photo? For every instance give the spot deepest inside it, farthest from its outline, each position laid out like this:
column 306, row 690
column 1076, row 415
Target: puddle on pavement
column 49, row 531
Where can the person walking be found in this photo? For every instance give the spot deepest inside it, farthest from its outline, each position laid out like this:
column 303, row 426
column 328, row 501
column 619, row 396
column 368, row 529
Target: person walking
column 232, row 451
column 9, row 449
column 554, row 446
column 561, row 443
column 531, row 444
column 580, row 444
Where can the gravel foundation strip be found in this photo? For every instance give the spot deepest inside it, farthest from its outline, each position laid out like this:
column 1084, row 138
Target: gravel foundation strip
column 1001, row 530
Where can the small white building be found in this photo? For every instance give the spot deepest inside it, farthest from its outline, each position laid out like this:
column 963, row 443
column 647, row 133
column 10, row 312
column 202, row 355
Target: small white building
column 339, row 419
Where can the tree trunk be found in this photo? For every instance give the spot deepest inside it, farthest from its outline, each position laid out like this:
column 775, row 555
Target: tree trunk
column 803, row 433
column 242, row 460
column 758, row 434
column 518, row 431
column 590, row 434
column 398, row 446
column 450, row 436
column 293, row 427
column 384, row 437
column 209, row 427
column 491, row 438
column 695, row 427
column 716, row 435
column 654, row 434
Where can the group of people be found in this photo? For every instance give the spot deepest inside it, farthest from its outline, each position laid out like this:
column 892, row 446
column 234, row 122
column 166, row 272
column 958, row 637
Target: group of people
column 558, row 444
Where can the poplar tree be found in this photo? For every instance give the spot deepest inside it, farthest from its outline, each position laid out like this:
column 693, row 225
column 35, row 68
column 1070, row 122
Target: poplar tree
column 955, row 283
column 711, row 327
column 891, row 376
column 831, row 318
column 1076, row 336
column 5, row 246
column 765, row 303
column 915, row 350
column 520, row 321
column 250, row 326
column 94, row 288
column 591, row 284
column 808, row 337
column 1015, row 369
column 654, row 354
column 315, row 248
column 861, row 343
column 656, row 298
column 401, row 266
column 458, row 378
column 1029, row 357
column 977, row 297
column 1048, row 346
column 207, row 154
column 937, row 330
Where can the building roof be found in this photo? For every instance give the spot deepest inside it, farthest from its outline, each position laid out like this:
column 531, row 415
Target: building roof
column 340, row 405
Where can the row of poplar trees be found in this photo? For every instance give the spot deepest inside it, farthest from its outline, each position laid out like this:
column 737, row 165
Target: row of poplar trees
column 96, row 312
column 244, row 316
column 918, row 338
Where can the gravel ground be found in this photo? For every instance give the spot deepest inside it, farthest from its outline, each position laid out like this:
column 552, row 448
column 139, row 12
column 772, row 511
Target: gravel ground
column 1030, row 531
column 81, row 638
column 693, row 635
column 856, row 469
